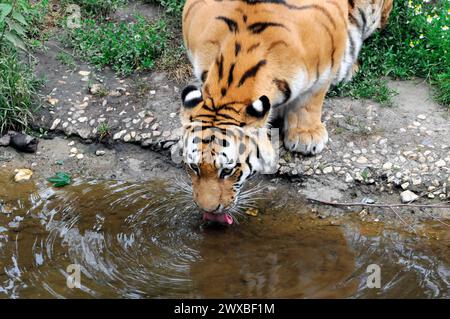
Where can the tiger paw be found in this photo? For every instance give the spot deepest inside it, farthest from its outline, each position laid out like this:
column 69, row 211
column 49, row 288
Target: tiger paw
column 306, row 141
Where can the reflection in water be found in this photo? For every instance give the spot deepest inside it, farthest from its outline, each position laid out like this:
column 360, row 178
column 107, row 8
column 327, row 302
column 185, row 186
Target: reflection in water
column 140, row 241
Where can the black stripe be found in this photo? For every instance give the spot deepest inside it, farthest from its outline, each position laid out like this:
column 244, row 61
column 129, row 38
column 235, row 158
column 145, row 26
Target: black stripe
column 206, row 107
column 237, row 48
column 204, row 76
column 226, row 116
column 351, row 3
column 219, row 63
column 259, row 27
column 223, row 92
column 252, row 47
column 229, row 123
column 229, row 108
column 364, row 20
column 232, row 25
column 230, row 75
column 284, row 88
column 251, row 72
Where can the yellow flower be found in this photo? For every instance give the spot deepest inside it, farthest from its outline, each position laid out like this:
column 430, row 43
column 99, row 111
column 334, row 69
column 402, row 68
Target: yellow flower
column 411, row 44
column 429, row 19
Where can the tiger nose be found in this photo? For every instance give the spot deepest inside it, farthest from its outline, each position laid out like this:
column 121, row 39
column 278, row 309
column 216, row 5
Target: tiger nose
column 209, row 208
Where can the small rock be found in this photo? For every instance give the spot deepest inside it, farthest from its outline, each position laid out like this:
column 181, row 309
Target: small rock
column 71, row 143
column 348, row 178
column 156, row 133
column 52, row 101
column 80, row 156
column 361, row 160
column 408, row 196
column 421, row 117
column 405, row 185
column 440, row 163
column 82, row 119
column 119, row 135
column 100, row 153
column 84, row 73
column 328, row 170
column 22, row 174
column 387, row 166
column 127, row 138
column 96, row 88
column 73, row 150
column 55, row 124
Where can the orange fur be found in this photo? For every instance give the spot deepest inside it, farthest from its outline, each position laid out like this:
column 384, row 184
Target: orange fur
column 285, row 51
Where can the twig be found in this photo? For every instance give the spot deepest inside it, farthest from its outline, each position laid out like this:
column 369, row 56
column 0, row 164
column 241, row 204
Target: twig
column 382, row 205
column 404, row 222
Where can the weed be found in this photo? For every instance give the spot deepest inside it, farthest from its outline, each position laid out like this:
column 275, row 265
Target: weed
column 67, row 60
column 126, row 47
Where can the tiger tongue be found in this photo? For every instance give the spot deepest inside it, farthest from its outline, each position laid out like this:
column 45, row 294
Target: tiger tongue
column 221, row 218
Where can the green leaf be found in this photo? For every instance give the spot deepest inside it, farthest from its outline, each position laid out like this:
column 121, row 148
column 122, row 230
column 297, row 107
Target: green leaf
column 19, row 17
column 60, row 180
column 5, row 9
column 15, row 27
column 15, row 40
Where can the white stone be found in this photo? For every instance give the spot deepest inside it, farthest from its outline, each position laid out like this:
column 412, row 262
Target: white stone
column 127, row 138
column 421, row 117
column 408, row 196
column 328, row 170
column 119, row 135
column 71, row 143
column 440, row 163
column 80, row 156
column 361, row 160
column 100, row 153
column 73, row 150
column 348, row 178
column 82, row 119
column 23, row 174
column 55, row 124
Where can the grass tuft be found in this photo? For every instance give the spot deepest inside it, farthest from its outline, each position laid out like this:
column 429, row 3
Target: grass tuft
column 126, row 47
column 416, row 43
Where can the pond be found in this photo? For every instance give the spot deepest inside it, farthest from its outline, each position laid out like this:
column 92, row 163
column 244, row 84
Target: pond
column 141, row 240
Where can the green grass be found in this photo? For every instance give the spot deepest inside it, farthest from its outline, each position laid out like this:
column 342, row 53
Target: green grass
column 416, row 43
column 18, row 95
column 126, row 47
column 95, row 8
column 172, row 7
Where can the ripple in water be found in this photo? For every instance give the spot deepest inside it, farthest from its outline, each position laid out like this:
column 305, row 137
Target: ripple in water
column 142, row 241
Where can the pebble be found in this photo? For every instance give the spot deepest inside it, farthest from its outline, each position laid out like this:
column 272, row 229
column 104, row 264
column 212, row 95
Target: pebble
column 127, row 138
column 119, row 135
column 362, row 160
column 23, row 174
column 100, row 153
column 348, row 178
column 408, row 196
column 82, row 119
column 422, row 117
column 71, row 143
column 328, row 170
column 440, row 163
column 84, row 73
column 55, row 124
column 73, row 150
column 80, row 156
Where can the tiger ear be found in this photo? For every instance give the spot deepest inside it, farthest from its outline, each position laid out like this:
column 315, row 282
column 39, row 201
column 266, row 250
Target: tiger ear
column 191, row 96
column 259, row 108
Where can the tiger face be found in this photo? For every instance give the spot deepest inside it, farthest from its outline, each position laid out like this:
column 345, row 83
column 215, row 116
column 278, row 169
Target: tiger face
column 221, row 152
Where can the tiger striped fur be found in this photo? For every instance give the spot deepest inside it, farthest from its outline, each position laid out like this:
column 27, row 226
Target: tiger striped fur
column 261, row 59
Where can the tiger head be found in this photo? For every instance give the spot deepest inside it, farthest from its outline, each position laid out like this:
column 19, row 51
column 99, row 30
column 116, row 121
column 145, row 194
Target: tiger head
column 224, row 145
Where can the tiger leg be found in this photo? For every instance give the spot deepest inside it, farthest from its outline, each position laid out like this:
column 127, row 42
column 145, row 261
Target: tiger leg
column 304, row 131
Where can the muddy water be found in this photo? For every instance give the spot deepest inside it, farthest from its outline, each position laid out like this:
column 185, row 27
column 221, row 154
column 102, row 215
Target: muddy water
column 140, row 241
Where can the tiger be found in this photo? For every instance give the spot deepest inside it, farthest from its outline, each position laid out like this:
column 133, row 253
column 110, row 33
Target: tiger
column 259, row 60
